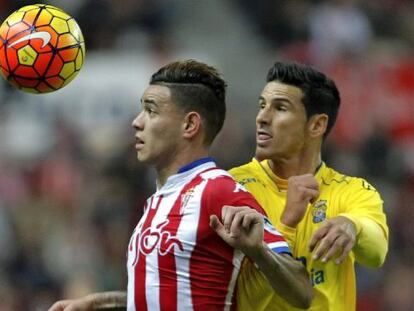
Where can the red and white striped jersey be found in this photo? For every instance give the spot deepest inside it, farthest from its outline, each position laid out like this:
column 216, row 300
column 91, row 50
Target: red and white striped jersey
column 175, row 260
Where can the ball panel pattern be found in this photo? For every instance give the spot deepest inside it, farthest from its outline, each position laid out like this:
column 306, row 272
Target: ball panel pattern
column 42, row 48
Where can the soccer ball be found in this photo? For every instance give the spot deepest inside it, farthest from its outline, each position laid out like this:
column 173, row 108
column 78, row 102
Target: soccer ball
column 41, row 48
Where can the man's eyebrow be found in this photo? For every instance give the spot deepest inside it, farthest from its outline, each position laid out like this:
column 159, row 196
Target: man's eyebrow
column 276, row 100
column 148, row 101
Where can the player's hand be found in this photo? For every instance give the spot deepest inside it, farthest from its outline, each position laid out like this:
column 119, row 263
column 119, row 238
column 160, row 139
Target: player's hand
column 302, row 189
column 240, row 227
column 81, row 304
column 336, row 237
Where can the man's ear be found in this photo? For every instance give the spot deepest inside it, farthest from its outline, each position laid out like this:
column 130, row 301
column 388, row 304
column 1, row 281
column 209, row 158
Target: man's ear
column 317, row 125
column 192, row 124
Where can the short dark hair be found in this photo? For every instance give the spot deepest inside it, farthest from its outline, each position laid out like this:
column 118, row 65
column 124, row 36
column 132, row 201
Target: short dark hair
column 196, row 87
column 320, row 94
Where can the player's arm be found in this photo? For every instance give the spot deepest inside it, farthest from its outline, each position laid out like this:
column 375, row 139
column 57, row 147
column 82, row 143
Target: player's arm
column 301, row 190
column 242, row 228
column 116, row 300
column 361, row 228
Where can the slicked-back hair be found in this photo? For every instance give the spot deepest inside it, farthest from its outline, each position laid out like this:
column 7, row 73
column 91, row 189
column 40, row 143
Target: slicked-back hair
column 196, row 87
column 320, row 94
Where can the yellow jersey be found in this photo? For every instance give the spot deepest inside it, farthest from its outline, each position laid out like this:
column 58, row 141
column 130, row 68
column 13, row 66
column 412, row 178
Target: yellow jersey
column 340, row 195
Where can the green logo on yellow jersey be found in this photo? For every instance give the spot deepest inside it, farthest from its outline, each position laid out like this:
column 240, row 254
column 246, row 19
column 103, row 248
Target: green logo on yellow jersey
column 319, row 211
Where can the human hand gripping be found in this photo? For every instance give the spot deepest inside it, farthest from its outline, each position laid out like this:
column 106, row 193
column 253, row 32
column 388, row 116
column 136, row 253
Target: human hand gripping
column 81, row 304
column 336, row 237
column 240, row 227
column 302, row 189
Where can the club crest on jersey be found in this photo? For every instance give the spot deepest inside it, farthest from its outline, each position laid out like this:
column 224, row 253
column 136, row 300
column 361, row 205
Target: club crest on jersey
column 319, row 211
column 185, row 198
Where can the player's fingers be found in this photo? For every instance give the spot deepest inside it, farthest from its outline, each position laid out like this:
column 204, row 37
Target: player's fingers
column 227, row 215
column 325, row 244
column 306, row 180
column 236, row 223
column 335, row 248
column 76, row 307
column 59, row 305
column 310, row 193
column 224, row 211
column 216, row 225
column 251, row 218
column 318, row 235
column 310, row 182
column 345, row 252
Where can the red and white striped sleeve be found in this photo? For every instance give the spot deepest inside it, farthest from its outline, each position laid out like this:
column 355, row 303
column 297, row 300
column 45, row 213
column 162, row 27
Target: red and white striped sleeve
column 226, row 191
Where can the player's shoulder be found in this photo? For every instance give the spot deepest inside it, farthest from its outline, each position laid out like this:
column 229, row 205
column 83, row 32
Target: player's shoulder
column 334, row 178
column 220, row 184
column 249, row 173
column 247, row 169
column 218, row 178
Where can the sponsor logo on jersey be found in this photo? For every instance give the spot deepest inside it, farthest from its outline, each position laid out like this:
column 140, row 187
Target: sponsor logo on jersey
column 158, row 238
column 319, row 211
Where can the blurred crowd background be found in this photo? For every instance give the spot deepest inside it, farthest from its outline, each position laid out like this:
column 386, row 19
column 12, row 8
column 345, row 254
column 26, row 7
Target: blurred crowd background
column 71, row 190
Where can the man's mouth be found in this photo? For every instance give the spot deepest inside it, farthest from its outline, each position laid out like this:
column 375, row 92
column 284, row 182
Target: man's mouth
column 139, row 143
column 263, row 137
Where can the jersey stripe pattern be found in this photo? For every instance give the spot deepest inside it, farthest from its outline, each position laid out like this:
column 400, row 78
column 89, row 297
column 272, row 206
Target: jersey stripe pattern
column 175, row 260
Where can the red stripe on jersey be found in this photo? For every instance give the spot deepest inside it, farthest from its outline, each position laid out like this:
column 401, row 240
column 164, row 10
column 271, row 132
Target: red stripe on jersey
column 131, row 242
column 139, row 288
column 211, row 263
column 272, row 237
column 166, row 256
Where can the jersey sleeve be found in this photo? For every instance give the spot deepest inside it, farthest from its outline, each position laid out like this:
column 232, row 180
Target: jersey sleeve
column 226, row 191
column 364, row 206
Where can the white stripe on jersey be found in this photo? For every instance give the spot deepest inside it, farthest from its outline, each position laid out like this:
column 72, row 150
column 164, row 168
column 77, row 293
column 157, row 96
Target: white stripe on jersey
column 152, row 278
column 237, row 261
column 276, row 245
column 133, row 255
column 187, row 234
column 214, row 173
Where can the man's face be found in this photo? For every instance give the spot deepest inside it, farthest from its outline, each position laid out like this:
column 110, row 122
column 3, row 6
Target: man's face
column 158, row 126
column 281, row 122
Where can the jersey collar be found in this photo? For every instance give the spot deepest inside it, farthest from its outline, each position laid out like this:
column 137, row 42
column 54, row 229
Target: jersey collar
column 195, row 164
column 188, row 172
column 281, row 183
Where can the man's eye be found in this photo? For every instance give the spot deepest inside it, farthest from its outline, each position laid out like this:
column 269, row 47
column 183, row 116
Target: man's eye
column 150, row 110
column 281, row 108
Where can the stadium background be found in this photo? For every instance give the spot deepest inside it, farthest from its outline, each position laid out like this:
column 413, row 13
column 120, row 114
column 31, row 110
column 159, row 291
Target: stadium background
column 70, row 187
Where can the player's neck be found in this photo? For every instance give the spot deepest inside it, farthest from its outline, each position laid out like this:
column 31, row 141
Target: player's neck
column 185, row 157
column 306, row 163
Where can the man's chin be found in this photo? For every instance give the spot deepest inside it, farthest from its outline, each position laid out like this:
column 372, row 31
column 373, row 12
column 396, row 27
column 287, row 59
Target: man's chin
column 142, row 158
column 261, row 153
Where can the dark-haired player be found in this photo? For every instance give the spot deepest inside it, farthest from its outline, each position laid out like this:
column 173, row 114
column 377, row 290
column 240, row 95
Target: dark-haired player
column 330, row 220
column 188, row 247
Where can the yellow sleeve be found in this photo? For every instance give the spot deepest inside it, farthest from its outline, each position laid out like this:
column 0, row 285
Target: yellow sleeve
column 258, row 190
column 364, row 207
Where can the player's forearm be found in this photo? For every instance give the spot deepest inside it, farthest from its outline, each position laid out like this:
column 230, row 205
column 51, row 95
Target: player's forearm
column 116, row 300
column 287, row 276
column 371, row 242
